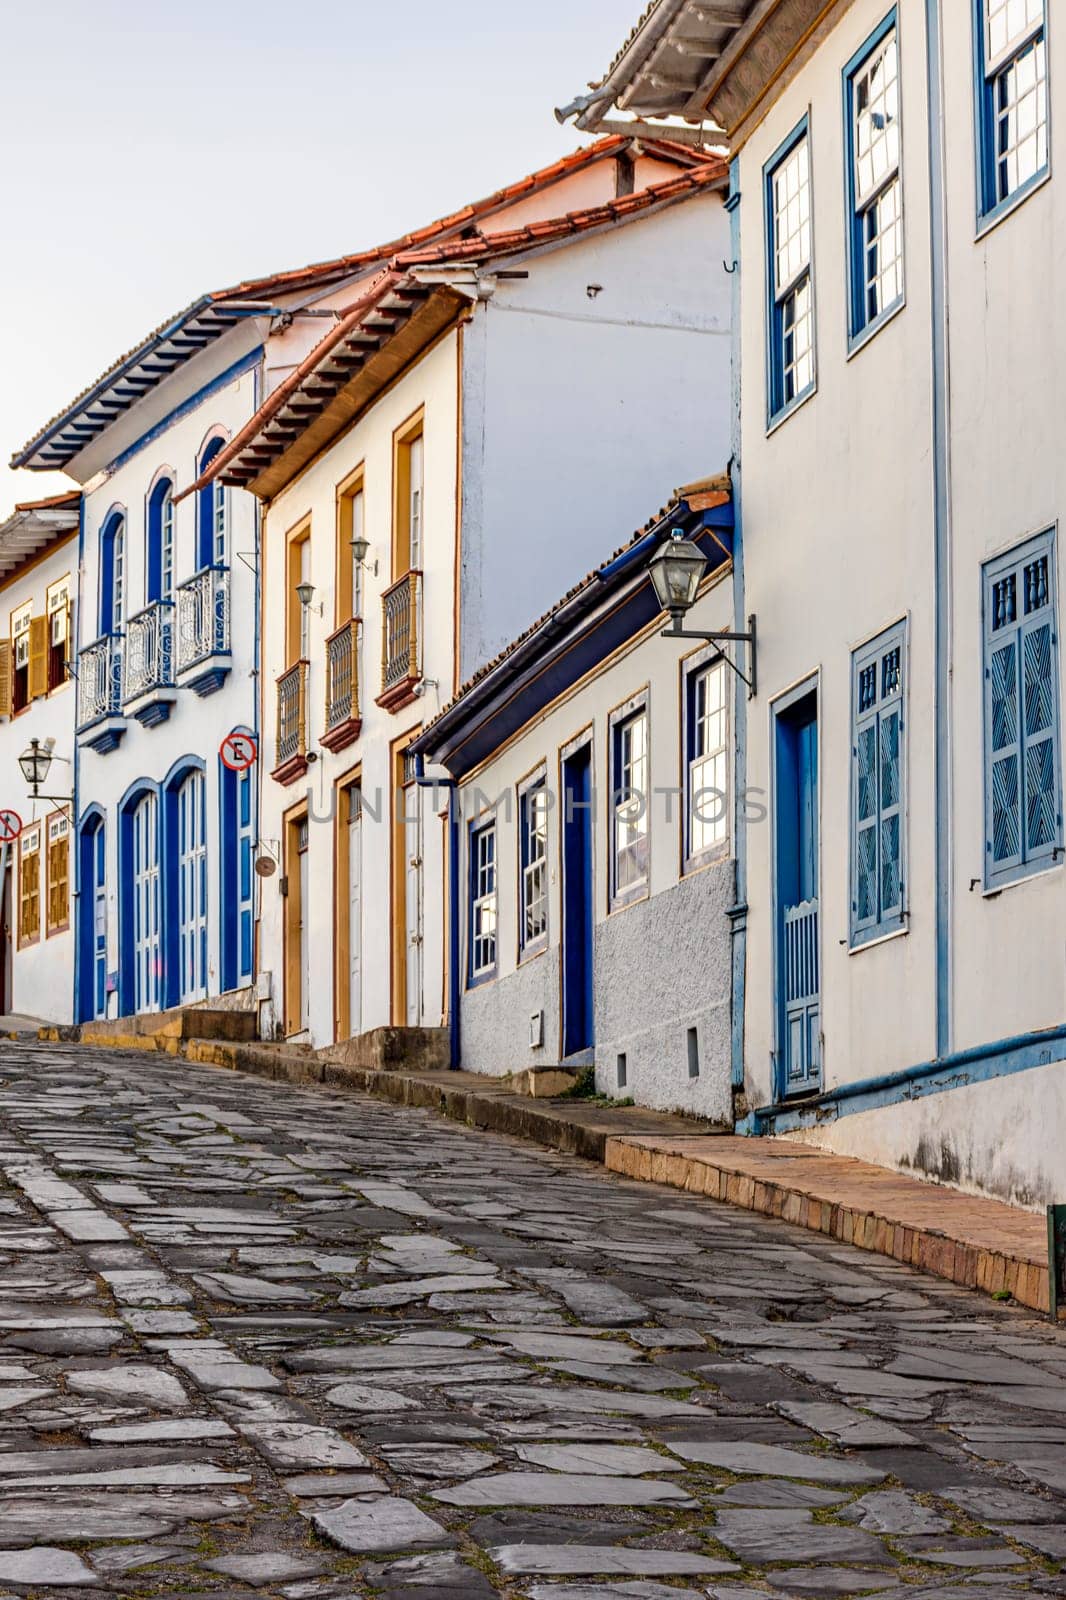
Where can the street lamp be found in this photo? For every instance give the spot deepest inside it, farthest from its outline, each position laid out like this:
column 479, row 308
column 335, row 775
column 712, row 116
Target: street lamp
column 677, row 570
column 36, row 763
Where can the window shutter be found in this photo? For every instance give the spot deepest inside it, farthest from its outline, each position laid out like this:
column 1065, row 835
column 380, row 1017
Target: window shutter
column 866, row 824
column 1004, row 774
column 38, row 684
column 1038, row 732
column 5, row 677
column 891, row 822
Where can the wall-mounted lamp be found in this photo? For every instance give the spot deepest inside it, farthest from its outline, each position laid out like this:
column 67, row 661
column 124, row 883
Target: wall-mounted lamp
column 36, row 763
column 360, row 550
column 676, row 571
column 305, row 593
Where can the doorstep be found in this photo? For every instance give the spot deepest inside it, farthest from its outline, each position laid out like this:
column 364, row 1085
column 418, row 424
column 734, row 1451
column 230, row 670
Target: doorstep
column 968, row 1239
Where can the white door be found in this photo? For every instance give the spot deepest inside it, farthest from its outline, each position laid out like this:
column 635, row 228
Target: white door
column 413, row 903
column 355, row 916
column 146, row 904
column 305, row 941
column 192, row 889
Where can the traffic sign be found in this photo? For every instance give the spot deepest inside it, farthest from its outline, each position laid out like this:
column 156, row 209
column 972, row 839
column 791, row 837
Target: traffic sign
column 238, row 751
column 10, row 825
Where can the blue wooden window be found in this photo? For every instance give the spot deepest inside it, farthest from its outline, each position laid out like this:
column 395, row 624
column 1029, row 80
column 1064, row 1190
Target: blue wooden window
column 874, row 187
column 113, row 574
column 629, row 801
column 533, row 883
column 790, row 280
column 484, row 902
column 1012, row 100
column 211, row 511
column 1023, row 762
column 706, row 744
column 160, row 574
column 878, row 786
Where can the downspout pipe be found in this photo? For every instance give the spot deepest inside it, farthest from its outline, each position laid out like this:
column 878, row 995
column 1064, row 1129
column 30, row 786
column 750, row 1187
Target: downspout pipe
column 454, row 954
column 75, row 831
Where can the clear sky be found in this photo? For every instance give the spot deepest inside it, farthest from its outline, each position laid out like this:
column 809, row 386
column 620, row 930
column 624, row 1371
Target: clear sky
column 151, row 152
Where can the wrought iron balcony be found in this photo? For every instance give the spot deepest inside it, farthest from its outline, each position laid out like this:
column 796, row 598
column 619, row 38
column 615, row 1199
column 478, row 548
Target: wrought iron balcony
column 342, row 687
column 203, row 629
column 291, row 727
column 401, row 641
column 147, row 660
column 100, row 692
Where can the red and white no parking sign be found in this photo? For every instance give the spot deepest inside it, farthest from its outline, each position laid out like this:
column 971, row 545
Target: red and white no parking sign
column 10, row 826
column 238, row 751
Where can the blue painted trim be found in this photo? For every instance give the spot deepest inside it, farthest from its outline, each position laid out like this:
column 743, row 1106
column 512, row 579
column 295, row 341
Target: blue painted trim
column 127, row 1001
column 482, row 824
column 455, row 971
column 89, row 824
column 169, row 877
column 115, row 517
column 75, row 791
column 152, row 714
column 738, row 919
column 206, row 683
column 779, row 710
column 861, row 329
column 106, row 740
column 944, row 838
column 777, row 411
column 231, row 373
column 981, row 1064
column 866, row 655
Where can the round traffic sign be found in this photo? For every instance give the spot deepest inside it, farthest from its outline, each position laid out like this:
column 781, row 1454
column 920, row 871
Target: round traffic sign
column 238, row 751
column 10, row 825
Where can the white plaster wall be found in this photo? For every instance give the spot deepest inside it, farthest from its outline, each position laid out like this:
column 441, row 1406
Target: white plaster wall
column 831, row 567
column 661, row 964
column 581, row 415
column 433, row 384
column 196, row 726
column 42, row 973
column 1000, row 1137
column 838, row 543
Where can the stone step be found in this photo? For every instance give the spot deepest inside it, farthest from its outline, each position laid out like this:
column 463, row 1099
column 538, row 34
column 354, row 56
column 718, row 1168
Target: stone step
column 183, row 1022
column 393, row 1049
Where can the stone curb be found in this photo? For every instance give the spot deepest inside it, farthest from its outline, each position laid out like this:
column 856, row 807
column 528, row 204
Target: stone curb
column 645, row 1153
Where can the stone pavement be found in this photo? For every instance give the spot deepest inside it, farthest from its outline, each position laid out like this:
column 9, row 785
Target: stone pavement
column 262, row 1339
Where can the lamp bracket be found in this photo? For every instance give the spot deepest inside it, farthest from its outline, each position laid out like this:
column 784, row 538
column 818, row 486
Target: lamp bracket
column 676, row 631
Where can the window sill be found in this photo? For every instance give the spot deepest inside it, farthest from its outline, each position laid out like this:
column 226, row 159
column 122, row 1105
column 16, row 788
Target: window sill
column 859, row 341
column 857, row 946
column 481, row 979
column 1006, row 208
column 633, row 897
column 775, row 421
column 714, row 857
column 531, row 952
column 1023, row 874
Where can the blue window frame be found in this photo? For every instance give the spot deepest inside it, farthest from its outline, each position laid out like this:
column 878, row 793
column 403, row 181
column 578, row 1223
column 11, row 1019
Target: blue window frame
column 484, row 903
column 211, row 511
column 878, row 786
column 790, row 274
column 533, row 866
column 160, row 564
column 874, row 185
column 706, row 747
column 1011, row 86
column 113, row 574
column 1023, row 743
column 629, row 801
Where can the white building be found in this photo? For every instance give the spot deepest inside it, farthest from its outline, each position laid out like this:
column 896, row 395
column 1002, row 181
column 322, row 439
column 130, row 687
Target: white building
column 463, row 442
column 38, row 579
column 899, row 234
column 595, row 802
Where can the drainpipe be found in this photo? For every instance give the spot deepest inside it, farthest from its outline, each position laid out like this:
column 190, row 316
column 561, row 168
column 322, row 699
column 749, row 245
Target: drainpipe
column 942, row 539
column 454, row 1023
column 75, row 833
column 738, row 911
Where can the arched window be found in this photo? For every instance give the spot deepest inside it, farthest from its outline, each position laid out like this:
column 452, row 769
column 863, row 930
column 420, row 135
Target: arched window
column 113, row 573
column 211, row 511
column 160, row 584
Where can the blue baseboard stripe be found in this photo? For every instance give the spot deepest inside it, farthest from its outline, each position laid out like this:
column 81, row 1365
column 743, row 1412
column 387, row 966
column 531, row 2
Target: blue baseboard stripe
column 998, row 1059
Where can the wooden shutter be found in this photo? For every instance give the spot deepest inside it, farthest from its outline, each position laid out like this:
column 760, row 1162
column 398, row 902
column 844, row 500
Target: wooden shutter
column 5, row 678
column 38, row 683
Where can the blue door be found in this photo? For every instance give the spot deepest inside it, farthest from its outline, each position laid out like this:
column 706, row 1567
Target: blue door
column 798, row 955
column 146, row 920
column 98, row 883
column 578, row 1015
column 192, row 889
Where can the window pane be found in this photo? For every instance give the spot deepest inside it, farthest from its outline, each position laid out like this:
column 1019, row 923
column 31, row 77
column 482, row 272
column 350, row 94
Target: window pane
column 798, row 341
column 631, row 813
column 883, row 251
column 1021, row 120
column 877, row 119
column 1008, row 22
column 792, row 216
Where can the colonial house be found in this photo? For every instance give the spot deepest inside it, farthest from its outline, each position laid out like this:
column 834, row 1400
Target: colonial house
column 898, row 233
column 38, row 581
column 595, row 806
column 462, row 441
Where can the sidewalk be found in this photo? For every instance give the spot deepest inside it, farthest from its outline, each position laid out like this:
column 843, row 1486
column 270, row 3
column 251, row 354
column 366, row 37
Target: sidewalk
column 976, row 1242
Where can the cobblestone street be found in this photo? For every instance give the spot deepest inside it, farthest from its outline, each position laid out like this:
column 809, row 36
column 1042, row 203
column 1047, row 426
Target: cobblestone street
column 263, row 1339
